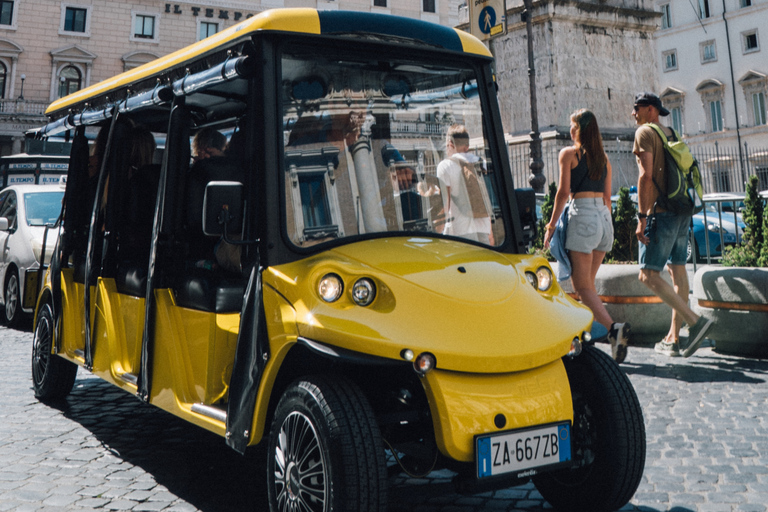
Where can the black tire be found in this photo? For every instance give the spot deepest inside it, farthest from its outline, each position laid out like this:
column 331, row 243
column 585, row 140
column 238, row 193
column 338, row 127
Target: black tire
column 52, row 376
column 325, row 450
column 608, row 433
column 12, row 299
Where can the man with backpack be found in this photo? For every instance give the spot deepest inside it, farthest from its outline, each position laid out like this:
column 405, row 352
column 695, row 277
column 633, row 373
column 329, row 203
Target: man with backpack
column 663, row 234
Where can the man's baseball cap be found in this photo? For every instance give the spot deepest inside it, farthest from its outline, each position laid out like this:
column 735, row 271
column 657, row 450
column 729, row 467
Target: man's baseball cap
column 648, row 98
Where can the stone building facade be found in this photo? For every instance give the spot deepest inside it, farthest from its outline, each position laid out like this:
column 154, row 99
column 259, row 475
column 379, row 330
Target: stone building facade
column 712, row 63
column 587, row 54
column 49, row 48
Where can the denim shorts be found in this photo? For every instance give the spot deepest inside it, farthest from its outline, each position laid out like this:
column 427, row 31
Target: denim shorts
column 589, row 226
column 668, row 241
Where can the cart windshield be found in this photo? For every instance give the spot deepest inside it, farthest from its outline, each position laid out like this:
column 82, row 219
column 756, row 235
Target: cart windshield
column 374, row 145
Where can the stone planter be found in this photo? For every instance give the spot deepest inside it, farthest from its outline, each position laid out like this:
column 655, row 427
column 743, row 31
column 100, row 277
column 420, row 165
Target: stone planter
column 736, row 298
column 629, row 300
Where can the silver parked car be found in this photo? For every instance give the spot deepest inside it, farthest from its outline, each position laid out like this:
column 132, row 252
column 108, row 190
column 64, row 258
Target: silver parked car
column 25, row 210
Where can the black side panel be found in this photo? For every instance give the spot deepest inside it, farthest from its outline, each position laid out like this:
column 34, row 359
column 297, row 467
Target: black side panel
column 250, row 358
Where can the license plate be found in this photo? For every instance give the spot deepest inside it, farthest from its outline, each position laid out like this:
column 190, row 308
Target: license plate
column 523, row 451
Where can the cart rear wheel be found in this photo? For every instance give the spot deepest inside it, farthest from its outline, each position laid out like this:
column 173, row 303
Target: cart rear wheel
column 52, row 376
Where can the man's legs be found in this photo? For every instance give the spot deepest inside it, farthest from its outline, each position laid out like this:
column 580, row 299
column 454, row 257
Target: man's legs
column 674, row 296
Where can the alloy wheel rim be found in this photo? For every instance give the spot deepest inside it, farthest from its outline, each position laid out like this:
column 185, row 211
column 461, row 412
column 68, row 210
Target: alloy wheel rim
column 300, row 476
column 41, row 349
column 11, row 297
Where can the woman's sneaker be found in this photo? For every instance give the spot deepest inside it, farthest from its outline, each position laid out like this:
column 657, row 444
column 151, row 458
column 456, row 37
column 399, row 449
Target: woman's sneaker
column 667, row 348
column 618, row 336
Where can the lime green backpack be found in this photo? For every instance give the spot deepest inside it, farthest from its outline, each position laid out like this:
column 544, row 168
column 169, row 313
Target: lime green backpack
column 684, row 191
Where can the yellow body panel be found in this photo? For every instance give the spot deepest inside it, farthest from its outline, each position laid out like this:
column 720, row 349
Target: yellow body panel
column 471, row 44
column 481, row 320
column 464, row 405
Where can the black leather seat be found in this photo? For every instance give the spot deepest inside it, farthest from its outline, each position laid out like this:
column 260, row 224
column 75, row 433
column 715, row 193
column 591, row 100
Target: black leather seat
column 131, row 279
column 212, row 291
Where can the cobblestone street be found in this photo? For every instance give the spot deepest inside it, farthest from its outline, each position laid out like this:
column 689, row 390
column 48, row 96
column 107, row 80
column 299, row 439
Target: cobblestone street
column 102, row 449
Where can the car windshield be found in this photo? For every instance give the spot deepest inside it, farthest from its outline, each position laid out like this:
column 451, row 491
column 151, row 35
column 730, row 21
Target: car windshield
column 42, row 207
column 366, row 151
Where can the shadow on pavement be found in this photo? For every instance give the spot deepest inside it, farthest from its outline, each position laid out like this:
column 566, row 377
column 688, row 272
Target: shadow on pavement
column 192, row 463
column 710, row 368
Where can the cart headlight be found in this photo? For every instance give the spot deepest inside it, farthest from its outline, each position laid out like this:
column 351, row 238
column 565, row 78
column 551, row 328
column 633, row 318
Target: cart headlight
column 330, row 288
column 575, row 347
column 544, row 278
column 531, row 277
column 424, row 363
column 363, row 291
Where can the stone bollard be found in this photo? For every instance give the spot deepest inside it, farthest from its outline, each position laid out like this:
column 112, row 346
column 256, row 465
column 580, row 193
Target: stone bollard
column 736, row 298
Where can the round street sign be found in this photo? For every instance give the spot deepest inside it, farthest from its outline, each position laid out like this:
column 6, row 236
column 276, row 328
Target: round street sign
column 487, row 19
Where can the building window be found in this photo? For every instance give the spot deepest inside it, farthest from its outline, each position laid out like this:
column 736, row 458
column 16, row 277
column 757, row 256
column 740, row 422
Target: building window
column 314, row 201
column 3, row 76
column 74, row 19
column 6, row 12
column 144, row 26
column 379, row 3
column 745, row 3
column 707, row 51
column 70, row 81
column 428, row 5
column 670, row 60
column 758, row 108
column 749, row 41
column 666, row 16
column 677, row 119
column 207, row 29
column 716, row 115
column 704, row 9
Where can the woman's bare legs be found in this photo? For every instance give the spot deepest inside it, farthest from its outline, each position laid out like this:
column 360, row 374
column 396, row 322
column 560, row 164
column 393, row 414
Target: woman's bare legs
column 585, row 266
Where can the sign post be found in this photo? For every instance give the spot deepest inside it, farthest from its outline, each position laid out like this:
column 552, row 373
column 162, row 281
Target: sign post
column 487, row 18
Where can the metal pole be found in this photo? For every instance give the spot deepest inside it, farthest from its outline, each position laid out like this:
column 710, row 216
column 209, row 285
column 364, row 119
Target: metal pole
column 536, row 179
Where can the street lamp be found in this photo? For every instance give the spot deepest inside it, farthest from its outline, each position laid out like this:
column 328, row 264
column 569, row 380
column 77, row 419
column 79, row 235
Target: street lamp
column 23, row 77
column 537, row 180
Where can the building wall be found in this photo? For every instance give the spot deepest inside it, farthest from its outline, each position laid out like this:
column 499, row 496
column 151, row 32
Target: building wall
column 685, row 37
column 586, row 55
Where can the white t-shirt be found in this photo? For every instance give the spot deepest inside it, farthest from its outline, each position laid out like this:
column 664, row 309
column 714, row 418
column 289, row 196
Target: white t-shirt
column 451, row 176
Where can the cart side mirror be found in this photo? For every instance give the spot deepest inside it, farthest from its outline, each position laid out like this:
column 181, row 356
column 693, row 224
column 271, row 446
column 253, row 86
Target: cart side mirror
column 223, row 208
column 3, row 224
column 526, row 208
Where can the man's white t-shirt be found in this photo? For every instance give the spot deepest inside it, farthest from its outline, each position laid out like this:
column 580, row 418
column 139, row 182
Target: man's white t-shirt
column 450, row 175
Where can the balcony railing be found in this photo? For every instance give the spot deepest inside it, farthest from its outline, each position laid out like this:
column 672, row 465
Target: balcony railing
column 22, row 107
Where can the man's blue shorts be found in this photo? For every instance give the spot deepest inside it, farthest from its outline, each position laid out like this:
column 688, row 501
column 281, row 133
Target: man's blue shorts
column 668, row 240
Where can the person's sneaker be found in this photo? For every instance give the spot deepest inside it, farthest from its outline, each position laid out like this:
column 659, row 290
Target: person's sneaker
column 618, row 336
column 667, row 348
column 696, row 335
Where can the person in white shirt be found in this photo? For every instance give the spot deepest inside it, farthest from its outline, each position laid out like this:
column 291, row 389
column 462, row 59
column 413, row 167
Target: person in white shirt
column 465, row 199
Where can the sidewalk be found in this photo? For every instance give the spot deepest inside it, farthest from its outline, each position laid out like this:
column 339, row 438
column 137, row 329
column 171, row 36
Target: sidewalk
column 706, row 421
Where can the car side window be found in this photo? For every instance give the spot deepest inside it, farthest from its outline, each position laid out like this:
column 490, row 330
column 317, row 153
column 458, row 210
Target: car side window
column 8, row 208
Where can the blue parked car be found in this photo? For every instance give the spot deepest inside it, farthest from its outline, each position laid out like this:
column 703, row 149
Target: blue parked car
column 710, row 227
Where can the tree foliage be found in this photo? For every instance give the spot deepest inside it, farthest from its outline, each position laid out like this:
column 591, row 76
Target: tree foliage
column 625, row 244
column 753, row 251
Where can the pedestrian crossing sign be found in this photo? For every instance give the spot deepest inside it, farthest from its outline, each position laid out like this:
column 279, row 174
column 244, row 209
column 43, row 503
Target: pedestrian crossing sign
column 487, row 18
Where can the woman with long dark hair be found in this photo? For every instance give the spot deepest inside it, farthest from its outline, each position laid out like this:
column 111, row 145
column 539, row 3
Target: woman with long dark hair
column 585, row 177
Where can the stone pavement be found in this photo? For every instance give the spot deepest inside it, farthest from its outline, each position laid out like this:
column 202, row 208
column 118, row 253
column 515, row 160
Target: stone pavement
column 101, row 449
